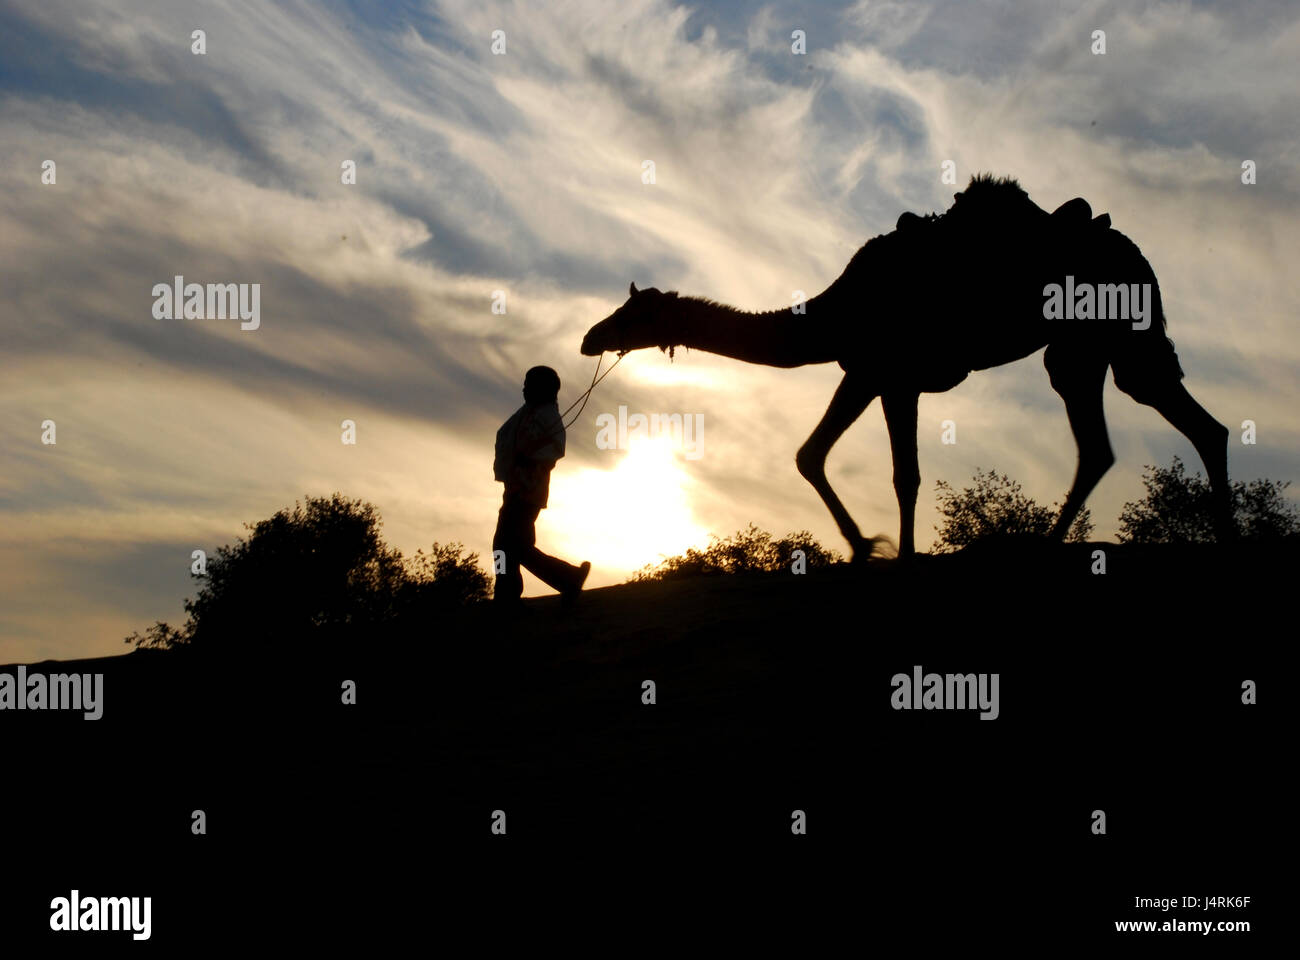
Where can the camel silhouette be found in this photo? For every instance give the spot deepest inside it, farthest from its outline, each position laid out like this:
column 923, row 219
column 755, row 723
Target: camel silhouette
column 917, row 309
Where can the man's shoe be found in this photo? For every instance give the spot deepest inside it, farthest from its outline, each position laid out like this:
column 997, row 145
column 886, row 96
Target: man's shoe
column 569, row 596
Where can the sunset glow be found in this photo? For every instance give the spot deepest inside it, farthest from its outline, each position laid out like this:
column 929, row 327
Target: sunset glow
column 624, row 518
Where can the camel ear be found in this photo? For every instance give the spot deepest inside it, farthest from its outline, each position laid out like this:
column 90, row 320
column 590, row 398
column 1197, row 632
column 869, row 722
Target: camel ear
column 631, row 289
column 1101, row 221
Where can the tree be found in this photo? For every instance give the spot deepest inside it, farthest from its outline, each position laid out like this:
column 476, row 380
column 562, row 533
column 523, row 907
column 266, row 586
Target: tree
column 995, row 506
column 321, row 568
column 747, row 551
column 1179, row 509
column 161, row 636
column 319, row 565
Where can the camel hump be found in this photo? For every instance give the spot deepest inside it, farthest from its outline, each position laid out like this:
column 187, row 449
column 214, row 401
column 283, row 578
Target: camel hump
column 1074, row 211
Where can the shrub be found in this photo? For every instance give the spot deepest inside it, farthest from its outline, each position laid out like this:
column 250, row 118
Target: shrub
column 321, row 568
column 995, row 506
column 1179, row 509
column 746, row 551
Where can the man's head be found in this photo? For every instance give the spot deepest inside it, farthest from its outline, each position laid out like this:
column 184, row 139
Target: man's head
column 541, row 385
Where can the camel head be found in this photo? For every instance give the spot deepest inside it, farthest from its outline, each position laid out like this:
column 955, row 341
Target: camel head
column 641, row 322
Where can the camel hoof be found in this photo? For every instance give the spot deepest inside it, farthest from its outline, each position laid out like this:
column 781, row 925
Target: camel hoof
column 871, row 548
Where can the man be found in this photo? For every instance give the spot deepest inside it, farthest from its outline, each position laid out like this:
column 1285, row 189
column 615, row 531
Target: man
column 527, row 447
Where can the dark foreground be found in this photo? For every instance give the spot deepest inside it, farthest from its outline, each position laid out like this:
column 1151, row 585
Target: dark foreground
column 1120, row 693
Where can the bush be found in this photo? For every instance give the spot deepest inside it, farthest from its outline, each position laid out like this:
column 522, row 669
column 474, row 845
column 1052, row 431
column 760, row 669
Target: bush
column 1179, row 509
column 995, row 506
column 442, row 577
column 160, row 636
column 321, row 568
column 747, row 551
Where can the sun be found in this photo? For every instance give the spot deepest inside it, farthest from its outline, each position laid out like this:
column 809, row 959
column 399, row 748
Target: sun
column 624, row 518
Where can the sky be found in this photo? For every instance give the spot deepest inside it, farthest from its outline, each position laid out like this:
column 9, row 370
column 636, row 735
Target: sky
column 522, row 172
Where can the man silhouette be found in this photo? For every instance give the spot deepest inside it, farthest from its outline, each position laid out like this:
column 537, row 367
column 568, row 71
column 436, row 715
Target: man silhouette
column 527, row 448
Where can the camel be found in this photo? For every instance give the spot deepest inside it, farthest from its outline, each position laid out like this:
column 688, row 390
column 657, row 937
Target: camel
column 920, row 308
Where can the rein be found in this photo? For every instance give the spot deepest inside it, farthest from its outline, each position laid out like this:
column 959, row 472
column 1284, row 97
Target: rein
column 587, row 395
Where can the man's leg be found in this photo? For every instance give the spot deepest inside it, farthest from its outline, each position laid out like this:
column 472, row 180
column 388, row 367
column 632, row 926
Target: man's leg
column 552, row 571
column 511, row 537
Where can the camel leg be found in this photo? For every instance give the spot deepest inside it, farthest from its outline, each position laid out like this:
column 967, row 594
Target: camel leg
column 851, row 398
column 1208, row 436
column 1080, row 382
column 900, row 417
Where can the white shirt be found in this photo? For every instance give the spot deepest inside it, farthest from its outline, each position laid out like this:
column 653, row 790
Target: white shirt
column 527, row 446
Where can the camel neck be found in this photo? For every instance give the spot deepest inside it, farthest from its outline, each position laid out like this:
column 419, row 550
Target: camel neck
column 776, row 338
